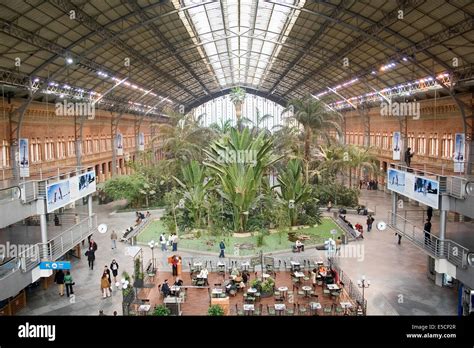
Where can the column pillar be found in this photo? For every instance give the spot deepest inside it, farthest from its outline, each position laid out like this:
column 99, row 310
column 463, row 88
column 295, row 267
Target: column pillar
column 393, row 218
column 44, row 235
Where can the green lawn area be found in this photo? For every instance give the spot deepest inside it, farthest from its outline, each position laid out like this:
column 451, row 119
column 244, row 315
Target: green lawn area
column 271, row 243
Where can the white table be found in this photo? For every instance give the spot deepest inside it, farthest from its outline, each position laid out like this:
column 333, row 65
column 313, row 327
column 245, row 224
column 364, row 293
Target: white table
column 295, row 263
column 197, row 265
column 249, row 307
column 283, row 290
column 252, row 290
column 265, row 275
column 280, row 307
column 346, row 305
column 315, row 305
column 144, row 308
column 245, row 265
column 299, row 274
column 306, row 290
column 216, row 291
column 175, row 288
column 333, row 286
column 220, row 264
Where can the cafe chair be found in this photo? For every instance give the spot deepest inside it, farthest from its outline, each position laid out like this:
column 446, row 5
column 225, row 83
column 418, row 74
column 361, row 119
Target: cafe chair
column 287, row 266
column 326, row 292
column 302, row 310
column 339, row 310
column 291, row 310
column 271, row 310
column 301, row 293
column 258, row 310
column 327, row 310
column 257, row 296
column 277, row 295
column 238, row 311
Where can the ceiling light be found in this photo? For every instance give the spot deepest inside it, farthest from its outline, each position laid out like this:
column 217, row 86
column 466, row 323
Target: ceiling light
column 69, row 60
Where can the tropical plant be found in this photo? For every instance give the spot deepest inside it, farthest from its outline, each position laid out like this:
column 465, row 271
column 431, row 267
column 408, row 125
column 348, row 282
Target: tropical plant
column 237, row 97
column 221, row 128
column 215, row 311
column 258, row 122
column 162, row 311
column 194, row 187
column 293, row 189
column 181, row 138
column 126, row 187
column 316, row 119
column 240, row 178
column 361, row 159
column 268, row 285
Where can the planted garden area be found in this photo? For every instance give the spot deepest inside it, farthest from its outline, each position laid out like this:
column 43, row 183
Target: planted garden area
column 253, row 187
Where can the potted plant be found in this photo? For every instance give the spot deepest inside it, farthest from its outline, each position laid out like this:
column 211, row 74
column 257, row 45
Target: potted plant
column 215, row 311
column 138, row 274
column 267, row 287
column 162, row 311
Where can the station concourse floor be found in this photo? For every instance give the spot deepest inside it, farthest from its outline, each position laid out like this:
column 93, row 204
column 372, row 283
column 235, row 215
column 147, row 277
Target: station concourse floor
column 398, row 273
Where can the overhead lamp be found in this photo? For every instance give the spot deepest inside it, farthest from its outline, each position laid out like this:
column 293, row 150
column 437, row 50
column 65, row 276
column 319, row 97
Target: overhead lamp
column 69, row 60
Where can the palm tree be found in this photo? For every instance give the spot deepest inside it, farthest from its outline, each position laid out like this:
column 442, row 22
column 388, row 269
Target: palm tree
column 221, row 128
column 361, row 158
column 237, row 96
column 182, row 138
column 293, row 189
column 194, row 188
column 258, row 122
column 315, row 118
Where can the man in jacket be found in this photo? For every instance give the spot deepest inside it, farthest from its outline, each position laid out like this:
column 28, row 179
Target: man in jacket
column 59, row 279
column 222, row 248
column 113, row 238
column 90, row 257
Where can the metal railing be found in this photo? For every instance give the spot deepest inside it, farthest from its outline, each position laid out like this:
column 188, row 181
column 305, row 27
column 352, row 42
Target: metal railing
column 57, row 247
column 351, row 288
column 428, row 242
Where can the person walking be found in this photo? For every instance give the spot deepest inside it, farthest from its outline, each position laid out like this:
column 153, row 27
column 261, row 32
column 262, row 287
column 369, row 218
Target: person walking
column 329, row 206
column 69, row 283
column 370, row 221
column 114, row 267
column 59, row 279
column 427, row 230
column 408, row 156
column 90, row 257
column 105, row 285
column 429, row 213
column 163, row 242
column 222, row 248
column 175, row 242
column 107, row 270
column 113, row 238
column 93, row 245
column 399, row 238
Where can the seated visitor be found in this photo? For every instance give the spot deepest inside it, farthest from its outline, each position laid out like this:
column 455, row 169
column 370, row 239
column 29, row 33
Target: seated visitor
column 147, row 214
column 299, row 245
column 178, row 282
column 235, row 272
column 203, row 274
column 245, row 276
column 314, row 274
column 165, row 288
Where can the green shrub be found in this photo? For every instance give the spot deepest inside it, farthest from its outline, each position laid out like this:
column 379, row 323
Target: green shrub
column 215, row 311
column 162, row 311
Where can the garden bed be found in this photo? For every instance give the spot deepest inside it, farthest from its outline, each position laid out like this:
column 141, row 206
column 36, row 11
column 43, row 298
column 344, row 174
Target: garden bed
column 246, row 245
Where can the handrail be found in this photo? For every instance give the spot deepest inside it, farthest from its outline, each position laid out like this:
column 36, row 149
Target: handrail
column 428, row 242
column 54, row 249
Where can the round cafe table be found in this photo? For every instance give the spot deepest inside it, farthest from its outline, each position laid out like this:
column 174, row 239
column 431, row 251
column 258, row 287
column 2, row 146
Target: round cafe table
column 283, row 290
column 306, row 290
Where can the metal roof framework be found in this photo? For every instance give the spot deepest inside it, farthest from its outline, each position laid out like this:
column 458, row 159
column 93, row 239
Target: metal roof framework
column 186, row 52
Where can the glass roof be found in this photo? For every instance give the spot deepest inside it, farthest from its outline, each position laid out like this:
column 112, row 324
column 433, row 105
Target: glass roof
column 239, row 38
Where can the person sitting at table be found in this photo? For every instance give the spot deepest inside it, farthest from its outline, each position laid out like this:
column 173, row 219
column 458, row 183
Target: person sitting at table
column 314, row 274
column 203, row 275
column 178, row 282
column 299, row 245
column 322, row 271
column 235, row 272
column 241, row 285
column 165, row 288
column 245, row 276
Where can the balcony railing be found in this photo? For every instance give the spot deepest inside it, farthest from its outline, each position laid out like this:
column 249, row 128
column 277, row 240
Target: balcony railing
column 53, row 250
column 428, row 242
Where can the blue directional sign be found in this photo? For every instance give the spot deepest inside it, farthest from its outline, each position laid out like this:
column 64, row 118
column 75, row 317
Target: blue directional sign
column 55, row 265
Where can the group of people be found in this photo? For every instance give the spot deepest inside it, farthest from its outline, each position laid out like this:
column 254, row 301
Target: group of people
column 106, row 279
column 238, row 281
column 370, row 184
column 64, row 281
column 140, row 217
column 171, row 241
column 165, row 287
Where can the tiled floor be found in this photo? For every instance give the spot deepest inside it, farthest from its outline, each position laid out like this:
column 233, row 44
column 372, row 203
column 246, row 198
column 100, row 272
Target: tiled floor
column 198, row 300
